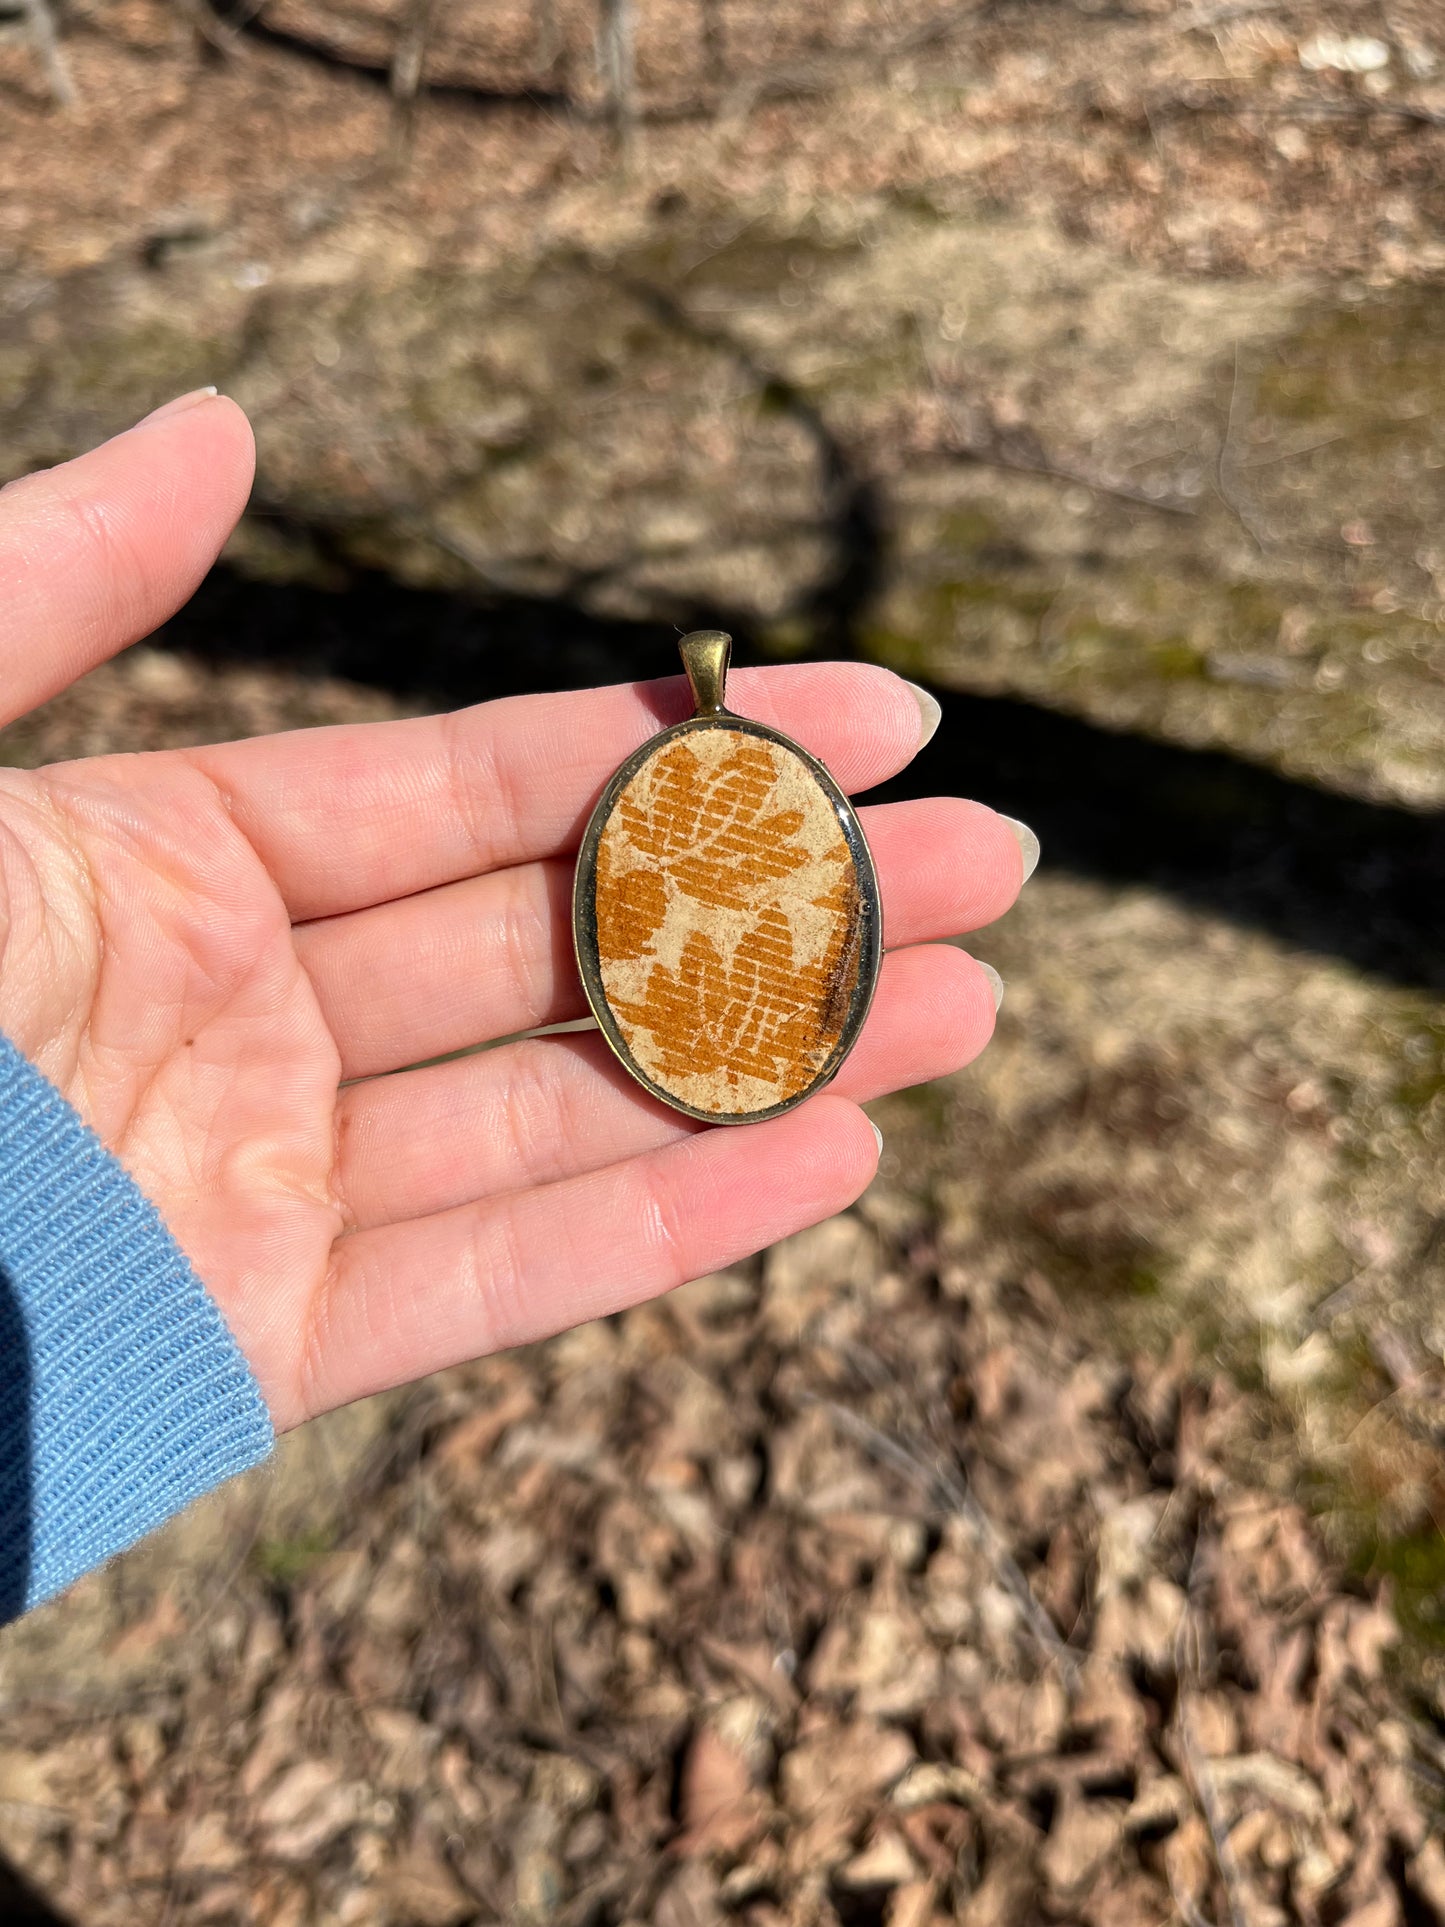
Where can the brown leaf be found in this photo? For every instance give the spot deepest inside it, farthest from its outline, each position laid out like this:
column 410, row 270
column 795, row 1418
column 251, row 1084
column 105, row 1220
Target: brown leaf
column 691, row 1899
column 404, row 1745
column 754, row 1665
column 842, row 1765
column 207, row 1847
column 1108, row 1707
column 939, row 1833
column 475, row 1437
column 1084, row 1835
column 1005, row 1896
column 1141, row 1624
column 1189, row 1862
column 1215, row 1728
column 881, row 1660
column 537, row 1872
column 912, row 1905
column 162, row 1626
column 719, row 1810
column 885, row 1862
column 1157, row 1804
column 930, row 1782
column 421, row 1889
column 1425, row 1875
column 1382, row 1911
column 308, row 1807
column 1025, row 1716
column 1264, row 1778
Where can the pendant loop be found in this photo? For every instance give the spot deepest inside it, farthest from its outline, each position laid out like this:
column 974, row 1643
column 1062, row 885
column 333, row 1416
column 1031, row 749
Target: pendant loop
column 705, row 656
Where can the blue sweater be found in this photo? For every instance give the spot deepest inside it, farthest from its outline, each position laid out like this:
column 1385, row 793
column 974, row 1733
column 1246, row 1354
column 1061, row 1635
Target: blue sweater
column 123, row 1395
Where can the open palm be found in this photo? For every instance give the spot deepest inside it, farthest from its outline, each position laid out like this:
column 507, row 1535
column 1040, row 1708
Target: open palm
column 227, row 957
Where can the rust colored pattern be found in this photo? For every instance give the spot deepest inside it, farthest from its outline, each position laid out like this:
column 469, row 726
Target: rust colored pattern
column 728, row 931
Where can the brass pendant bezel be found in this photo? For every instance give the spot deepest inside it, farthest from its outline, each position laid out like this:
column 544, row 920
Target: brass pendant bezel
column 584, row 906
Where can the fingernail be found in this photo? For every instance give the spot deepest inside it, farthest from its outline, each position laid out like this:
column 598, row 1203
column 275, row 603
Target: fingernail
column 931, row 712
column 878, row 1134
column 1028, row 843
column 178, row 406
column 995, row 982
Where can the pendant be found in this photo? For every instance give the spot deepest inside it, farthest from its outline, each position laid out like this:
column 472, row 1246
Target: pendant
column 725, row 911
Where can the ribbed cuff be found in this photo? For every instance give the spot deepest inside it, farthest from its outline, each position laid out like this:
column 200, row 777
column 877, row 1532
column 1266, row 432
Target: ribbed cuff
column 123, row 1395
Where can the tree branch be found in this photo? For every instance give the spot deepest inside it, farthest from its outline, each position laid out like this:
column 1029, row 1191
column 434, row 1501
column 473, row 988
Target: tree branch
column 44, row 33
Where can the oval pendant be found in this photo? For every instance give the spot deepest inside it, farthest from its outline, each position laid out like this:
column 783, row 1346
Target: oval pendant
column 726, row 912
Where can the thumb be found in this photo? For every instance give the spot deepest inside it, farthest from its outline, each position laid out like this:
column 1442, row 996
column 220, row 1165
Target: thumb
column 98, row 552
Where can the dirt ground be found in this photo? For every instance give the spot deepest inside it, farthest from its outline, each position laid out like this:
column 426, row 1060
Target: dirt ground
column 1059, row 1534
column 841, row 1587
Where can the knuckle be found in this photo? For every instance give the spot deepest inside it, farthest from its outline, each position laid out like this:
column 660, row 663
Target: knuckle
column 107, row 550
column 663, row 1224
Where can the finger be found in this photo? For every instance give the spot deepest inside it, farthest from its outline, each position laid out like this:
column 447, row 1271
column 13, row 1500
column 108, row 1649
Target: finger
column 554, row 1107
column 356, row 815
column 493, row 955
column 414, row 1297
column 99, row 551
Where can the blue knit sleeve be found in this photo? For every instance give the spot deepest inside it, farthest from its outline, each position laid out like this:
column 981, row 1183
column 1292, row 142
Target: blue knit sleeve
column 123, row 1395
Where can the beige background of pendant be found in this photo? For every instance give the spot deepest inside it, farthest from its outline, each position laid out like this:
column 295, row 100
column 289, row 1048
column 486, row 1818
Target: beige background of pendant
column 727, row 913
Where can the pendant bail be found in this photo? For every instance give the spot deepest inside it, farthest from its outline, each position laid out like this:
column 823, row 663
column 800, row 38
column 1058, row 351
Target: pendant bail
column 705, row 656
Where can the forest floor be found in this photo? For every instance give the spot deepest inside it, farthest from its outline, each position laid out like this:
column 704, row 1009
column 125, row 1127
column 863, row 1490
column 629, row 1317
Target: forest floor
column 1058, row 1535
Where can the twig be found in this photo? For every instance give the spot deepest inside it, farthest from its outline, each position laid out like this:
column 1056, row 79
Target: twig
column 714, row 41
column 616, row 63
column 1201, row 1778
column 1224, row 467
column 928, row 33
column 993, row 451
column 47, row 47
column 1303, row 109
column 1189, row 1913
column 221, row 34
column 546, row 39
column 409, row 52
column 1200, row 19
column 1196, row 1762
column 1290, row 454
column 939, row 1480
column 805, row 79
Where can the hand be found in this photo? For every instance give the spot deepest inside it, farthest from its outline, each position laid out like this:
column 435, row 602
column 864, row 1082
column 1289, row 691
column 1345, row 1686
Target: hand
column 226, row 957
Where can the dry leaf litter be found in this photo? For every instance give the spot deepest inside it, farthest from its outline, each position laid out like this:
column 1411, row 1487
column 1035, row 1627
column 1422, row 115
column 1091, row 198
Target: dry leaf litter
column 840, row 1588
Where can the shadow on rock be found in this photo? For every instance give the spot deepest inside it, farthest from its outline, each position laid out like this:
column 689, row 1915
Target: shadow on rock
column 1346, row 877
column 22, row 1906
column 1336, row 874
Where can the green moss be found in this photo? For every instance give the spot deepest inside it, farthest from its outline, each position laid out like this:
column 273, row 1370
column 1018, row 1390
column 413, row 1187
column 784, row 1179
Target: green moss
column 1424, row 1084
column 1372, row 367
column 285, row 1562
column 911, row 655
column 755, row 260
column 1177, row 661
column 918, row 202
column 787, row 639
column 1144, row 1281
column 118, row 374
column 994, row 592
column 964, row 531
column 1414, row 1563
